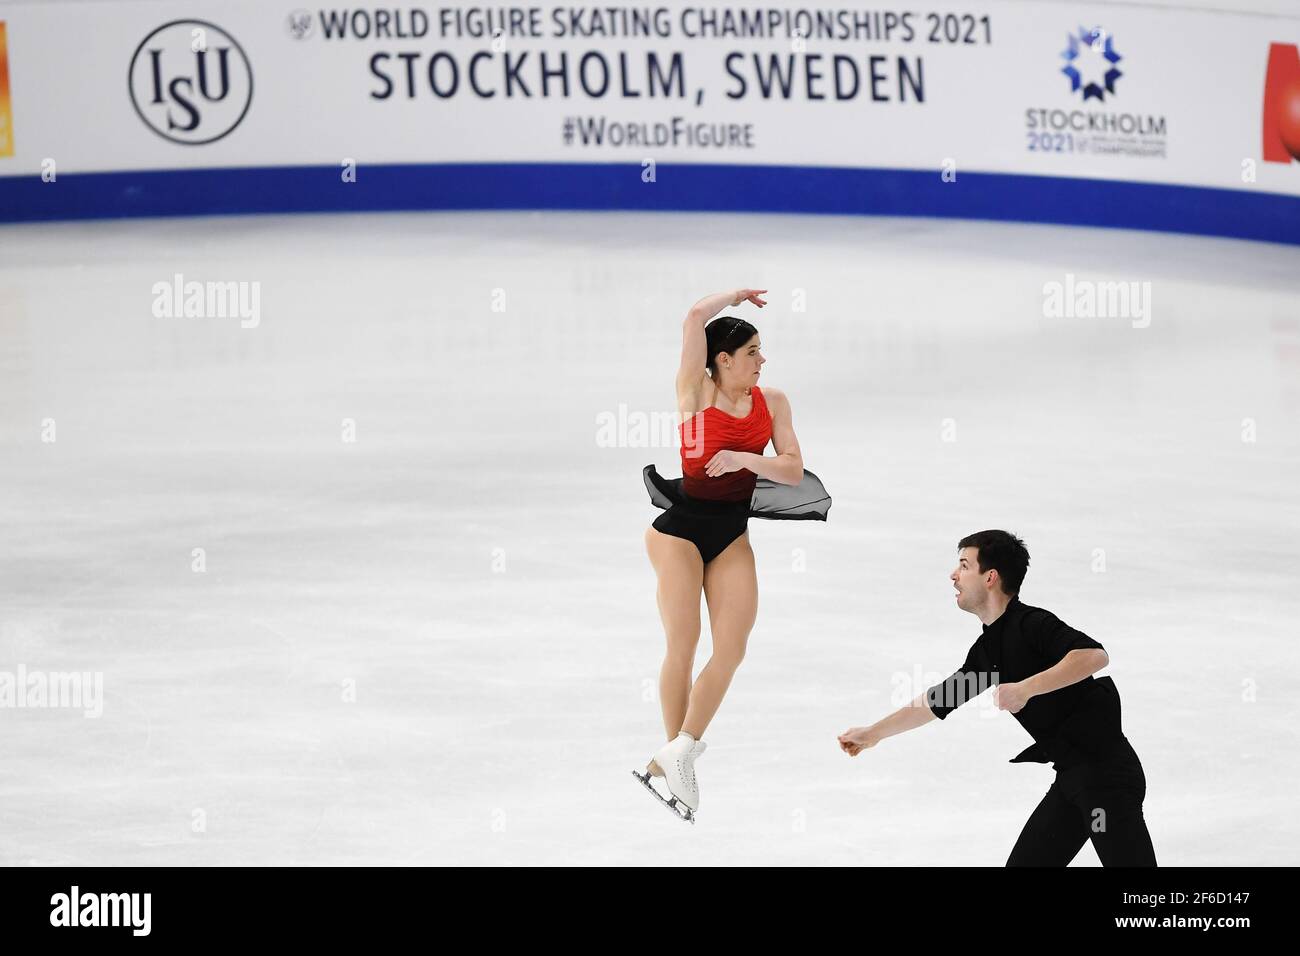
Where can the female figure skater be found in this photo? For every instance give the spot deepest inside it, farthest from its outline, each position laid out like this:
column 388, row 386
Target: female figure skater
column 701, row 541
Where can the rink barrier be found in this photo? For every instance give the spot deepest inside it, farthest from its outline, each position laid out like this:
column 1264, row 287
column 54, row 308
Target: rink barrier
column 1235, row 213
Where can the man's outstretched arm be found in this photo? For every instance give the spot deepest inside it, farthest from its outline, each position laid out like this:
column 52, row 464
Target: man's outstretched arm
column 856, row 739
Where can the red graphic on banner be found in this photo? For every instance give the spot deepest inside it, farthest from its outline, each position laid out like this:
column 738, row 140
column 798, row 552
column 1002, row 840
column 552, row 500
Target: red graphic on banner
column 1282, row 104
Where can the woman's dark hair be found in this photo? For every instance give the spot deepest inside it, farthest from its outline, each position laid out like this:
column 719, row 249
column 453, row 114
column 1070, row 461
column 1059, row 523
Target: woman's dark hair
column 725, row 334
column 1002, row 552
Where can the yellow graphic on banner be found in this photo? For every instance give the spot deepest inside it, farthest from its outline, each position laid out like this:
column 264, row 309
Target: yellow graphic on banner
column 6, row 110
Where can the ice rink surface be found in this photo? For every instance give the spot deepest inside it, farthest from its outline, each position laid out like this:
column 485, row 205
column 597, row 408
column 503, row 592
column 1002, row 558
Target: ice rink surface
column 421, row 628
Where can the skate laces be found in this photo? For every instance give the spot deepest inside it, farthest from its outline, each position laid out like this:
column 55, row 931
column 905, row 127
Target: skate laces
column 686, row 766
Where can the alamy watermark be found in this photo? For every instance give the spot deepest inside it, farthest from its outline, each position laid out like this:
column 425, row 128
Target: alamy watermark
column 77, row 908
column 73, row 690
column 208, row 300
column 1086, row 299
column 950, row 690
column 637, row 429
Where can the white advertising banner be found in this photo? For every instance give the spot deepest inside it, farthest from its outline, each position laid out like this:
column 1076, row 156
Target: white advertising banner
column 1104, row 92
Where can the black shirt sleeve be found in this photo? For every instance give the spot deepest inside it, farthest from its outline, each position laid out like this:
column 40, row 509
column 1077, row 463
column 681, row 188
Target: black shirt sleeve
column 967, row 683
column 1051, row 638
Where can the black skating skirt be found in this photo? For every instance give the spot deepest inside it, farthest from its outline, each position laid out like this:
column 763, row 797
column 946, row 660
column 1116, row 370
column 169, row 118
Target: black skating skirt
column 712, row 525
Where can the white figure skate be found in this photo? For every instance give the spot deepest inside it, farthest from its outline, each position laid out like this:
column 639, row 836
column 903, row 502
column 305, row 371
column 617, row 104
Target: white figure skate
column 675, row 762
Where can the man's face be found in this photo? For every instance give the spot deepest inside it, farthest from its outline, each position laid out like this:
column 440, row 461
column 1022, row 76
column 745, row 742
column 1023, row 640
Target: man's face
column 972, row 587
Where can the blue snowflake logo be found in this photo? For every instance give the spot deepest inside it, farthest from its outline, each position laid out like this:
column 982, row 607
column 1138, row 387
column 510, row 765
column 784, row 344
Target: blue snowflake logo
column 1079, row 53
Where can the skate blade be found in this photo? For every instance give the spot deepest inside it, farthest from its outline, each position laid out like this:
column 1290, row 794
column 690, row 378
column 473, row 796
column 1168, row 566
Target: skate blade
column 676, row 809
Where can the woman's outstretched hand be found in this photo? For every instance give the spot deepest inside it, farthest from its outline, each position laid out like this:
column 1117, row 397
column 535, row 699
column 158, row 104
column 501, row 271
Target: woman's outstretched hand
column 751, row 295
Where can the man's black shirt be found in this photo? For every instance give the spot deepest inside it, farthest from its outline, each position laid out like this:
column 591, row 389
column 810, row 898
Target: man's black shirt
column 1070, row 725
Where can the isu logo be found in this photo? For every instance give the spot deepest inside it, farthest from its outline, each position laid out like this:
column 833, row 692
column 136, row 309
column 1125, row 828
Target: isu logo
column 190, row 82
column 1282, row 104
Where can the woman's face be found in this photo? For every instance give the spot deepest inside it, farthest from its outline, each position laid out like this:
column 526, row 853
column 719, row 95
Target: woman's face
column 745, row 363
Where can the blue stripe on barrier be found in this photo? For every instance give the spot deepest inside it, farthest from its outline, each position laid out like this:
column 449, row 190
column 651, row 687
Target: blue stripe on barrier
column 1239, row 213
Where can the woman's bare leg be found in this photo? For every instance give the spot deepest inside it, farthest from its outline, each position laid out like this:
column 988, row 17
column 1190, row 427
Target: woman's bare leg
column 680, row 571
column 731, row 590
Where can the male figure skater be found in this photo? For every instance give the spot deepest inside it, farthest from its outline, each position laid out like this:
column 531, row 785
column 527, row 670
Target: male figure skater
column 1042, row 669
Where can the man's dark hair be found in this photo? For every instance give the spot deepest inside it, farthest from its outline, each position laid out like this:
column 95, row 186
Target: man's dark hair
column 1003, row 552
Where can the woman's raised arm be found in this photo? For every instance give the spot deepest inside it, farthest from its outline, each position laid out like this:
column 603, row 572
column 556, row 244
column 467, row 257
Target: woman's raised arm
column 694, row 345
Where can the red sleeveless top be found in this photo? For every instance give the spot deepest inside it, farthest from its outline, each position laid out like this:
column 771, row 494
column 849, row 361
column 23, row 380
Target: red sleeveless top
column 712, row 430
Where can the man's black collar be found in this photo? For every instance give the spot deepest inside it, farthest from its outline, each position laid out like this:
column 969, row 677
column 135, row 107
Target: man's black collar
column 1013, row 604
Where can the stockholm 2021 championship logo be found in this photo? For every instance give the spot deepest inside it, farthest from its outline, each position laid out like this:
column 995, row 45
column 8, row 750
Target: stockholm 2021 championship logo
column 190, row 82
column 1090, row 63
column 1085, row 120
